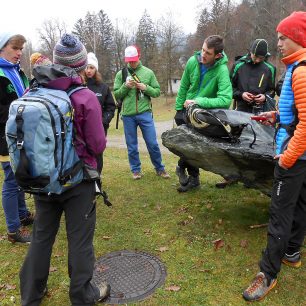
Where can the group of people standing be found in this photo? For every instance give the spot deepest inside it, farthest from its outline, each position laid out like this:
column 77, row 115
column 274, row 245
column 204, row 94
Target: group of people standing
column 206, row 81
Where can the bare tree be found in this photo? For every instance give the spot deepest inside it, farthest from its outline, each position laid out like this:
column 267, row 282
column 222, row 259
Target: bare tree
column 25, row 59
column 49, row 33
column 171, row 38
column 123, row 37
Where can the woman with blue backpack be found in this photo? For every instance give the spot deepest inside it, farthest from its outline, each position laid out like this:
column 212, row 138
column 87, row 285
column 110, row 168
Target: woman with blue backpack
column 78, row 202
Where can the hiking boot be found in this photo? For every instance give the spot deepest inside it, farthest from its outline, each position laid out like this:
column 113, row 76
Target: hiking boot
column 137, row 175
column 163, row 174
column 225, row 183
column 292, row 260
column 28, row 220
column 259, row 288
column 21, row 235
column 104, row 291
column 193, row 182
column 182, row 175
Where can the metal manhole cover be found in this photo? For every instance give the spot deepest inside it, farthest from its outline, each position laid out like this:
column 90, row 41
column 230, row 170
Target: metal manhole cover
column 132, row 275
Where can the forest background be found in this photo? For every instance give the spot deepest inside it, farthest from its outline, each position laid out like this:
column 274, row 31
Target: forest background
column 164, row 46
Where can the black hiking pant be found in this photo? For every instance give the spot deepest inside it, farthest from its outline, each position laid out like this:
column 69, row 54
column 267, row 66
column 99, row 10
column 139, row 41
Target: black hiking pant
column 287, row 223
column 79, row 207
column 182, row 163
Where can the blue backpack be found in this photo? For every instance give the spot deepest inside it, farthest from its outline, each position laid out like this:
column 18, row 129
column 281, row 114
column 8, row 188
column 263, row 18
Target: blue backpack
column 39, row 134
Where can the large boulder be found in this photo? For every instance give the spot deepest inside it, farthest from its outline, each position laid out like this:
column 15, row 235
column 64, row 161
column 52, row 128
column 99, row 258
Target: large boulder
column 251, row 165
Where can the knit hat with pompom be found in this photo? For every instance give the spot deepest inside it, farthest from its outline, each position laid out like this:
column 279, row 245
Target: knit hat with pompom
column 39, row 59
column 70, row 52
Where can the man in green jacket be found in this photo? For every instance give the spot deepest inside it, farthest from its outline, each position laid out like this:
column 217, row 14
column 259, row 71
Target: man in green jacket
column 205, row 82
column 136, row 92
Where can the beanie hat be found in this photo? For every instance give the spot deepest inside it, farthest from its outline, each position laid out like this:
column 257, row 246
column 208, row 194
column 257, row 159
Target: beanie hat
column 259, row 47
column 92, row 60
column 5, row 37
column 39, row 59
column 294, row 27
column 131, row 54
column 70, row 52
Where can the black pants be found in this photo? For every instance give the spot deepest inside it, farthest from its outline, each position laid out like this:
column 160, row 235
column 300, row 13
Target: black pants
column 79, row 207
column 287, row 224
column 182, row 163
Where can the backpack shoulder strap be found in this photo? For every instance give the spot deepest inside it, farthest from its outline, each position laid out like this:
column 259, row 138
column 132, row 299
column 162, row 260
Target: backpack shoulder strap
column 73, row 89
column 124, row 72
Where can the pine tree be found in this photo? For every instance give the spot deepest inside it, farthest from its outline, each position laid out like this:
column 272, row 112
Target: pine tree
column 146, row 39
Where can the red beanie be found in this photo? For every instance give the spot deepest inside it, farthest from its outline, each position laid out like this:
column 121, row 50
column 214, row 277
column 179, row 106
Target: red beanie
column 294, row 27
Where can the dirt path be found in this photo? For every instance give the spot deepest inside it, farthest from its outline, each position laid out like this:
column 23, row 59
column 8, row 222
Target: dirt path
column 119, row 141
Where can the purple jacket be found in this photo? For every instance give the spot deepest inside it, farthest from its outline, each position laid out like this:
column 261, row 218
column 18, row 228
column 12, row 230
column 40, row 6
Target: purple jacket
column 91, row 139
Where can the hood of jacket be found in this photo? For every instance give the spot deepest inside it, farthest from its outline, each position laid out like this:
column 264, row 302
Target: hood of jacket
column 56, row 76
column 222, row 60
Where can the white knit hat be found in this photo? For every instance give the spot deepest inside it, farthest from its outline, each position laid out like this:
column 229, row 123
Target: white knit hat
column 92, row 60
column 5, row 37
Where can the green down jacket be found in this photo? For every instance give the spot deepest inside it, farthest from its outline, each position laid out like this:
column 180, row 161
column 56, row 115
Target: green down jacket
column 132, row 103
column 215, row 91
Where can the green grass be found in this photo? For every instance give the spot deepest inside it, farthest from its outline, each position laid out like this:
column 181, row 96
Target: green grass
column 149, row 214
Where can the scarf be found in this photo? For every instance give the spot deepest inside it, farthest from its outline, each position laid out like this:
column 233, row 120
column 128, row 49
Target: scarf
column 11, row 71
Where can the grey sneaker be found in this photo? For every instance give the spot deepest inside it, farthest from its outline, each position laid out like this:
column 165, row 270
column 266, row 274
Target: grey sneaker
column 21, row 235
column 292, row 260
column 163, row 174
column 137, row 176
column 182, row 175
column 104, row 291
column 259, row 288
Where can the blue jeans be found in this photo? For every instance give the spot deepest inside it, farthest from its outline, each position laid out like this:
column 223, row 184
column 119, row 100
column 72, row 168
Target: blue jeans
column 12, row 199
column 146, row 124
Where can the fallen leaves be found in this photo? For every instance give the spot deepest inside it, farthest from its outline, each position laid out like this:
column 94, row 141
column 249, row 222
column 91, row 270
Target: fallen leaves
column 101, row 268
column 147, row 232
column 106, row 237
column 244, row 243
column 218, row 244
column 174, row 288
column 52, row 269
column 9, row 287
column 162, row 249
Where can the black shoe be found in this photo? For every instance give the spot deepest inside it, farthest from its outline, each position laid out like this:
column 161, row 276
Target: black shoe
column 21, row 235
column 182, row 175
column 193, row 182
column 104, row 291
column 28, row 220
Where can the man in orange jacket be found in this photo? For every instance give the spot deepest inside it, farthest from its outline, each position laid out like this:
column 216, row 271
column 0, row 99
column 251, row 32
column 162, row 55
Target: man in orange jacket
column 287, row 224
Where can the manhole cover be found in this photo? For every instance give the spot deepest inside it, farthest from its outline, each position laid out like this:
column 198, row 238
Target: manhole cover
column 132, row 275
